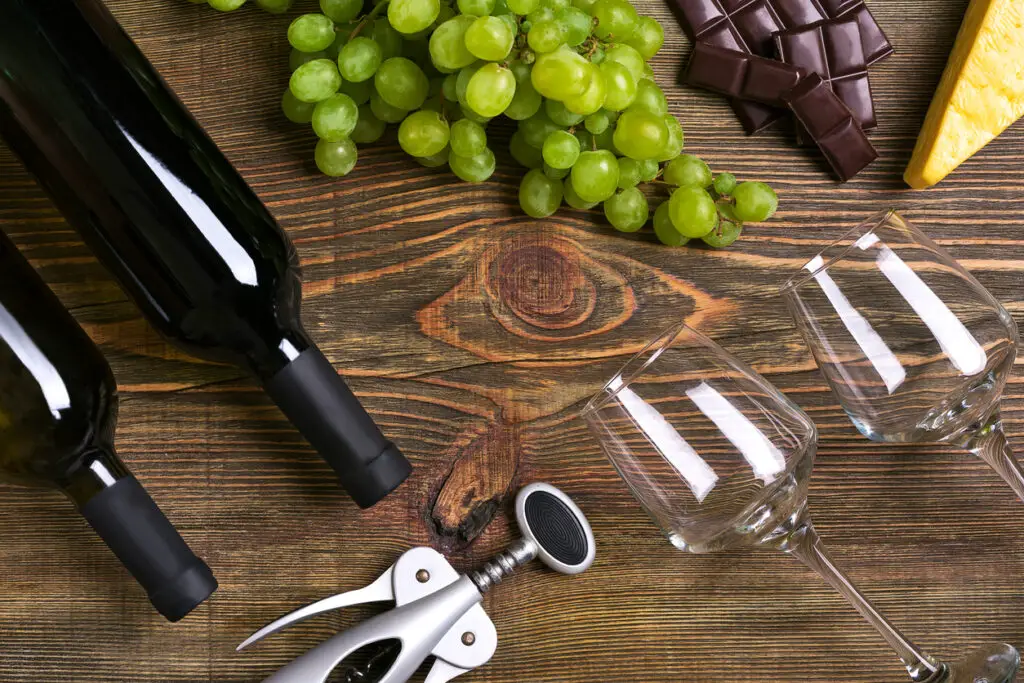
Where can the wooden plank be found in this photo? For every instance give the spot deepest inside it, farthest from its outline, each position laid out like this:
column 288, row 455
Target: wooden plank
column 424, row 291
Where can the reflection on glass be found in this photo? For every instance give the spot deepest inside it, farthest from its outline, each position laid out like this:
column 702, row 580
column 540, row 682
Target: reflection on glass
column 54, row 391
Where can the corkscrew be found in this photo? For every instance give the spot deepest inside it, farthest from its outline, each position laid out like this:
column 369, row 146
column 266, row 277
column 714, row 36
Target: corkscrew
column 437, row 611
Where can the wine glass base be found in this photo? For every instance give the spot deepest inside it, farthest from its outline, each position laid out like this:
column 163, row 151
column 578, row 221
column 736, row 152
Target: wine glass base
column 995, row 663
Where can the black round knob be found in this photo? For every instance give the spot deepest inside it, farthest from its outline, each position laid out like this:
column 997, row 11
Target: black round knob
column 550, row 519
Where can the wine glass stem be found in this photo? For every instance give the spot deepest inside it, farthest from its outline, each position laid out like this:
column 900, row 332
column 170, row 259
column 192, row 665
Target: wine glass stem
column 989, row 443
column 806, row 546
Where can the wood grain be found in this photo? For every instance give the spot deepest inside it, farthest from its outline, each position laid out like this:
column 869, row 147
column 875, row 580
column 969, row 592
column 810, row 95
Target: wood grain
column 472, row 333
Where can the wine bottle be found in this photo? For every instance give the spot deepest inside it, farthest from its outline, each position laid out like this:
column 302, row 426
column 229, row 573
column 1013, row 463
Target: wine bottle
column 166, row 212
column 58, row 410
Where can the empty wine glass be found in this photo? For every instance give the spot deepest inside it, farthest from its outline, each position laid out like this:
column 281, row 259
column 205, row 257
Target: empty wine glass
column 914, row 347
column 720, row 458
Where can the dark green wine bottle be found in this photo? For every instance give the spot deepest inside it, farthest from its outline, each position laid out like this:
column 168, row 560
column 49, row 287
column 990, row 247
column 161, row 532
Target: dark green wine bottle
column 58, row 410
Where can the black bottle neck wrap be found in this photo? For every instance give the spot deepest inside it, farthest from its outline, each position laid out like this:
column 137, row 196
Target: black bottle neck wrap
column 316, row 399
column 149, row 546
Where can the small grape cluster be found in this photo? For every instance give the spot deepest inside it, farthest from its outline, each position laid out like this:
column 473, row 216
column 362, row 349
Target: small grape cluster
column 593, row 125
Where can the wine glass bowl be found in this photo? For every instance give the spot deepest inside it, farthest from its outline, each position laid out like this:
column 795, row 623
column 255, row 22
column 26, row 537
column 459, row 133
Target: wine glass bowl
column 914, row 347
column 662, row 419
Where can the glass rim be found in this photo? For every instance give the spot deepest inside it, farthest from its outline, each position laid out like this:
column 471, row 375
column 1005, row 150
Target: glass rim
column 803, row 276
column 625, row 376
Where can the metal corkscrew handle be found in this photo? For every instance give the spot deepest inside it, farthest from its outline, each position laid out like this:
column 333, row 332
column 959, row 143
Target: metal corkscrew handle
column 554, row 530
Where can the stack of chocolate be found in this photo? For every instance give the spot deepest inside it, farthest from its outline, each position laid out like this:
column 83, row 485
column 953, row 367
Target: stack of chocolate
column 807, row 57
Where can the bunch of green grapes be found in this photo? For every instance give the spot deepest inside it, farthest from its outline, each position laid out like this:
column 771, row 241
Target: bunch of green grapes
column 593, row 126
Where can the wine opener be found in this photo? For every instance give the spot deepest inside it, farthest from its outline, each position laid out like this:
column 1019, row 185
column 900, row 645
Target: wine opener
column 437, row 611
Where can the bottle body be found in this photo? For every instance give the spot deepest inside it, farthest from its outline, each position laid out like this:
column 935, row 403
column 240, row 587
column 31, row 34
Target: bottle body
column 173, row 221
column 58, row 411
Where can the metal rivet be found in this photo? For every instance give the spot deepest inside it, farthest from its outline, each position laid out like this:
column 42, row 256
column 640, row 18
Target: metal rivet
column 423, row 576
column 468, row 638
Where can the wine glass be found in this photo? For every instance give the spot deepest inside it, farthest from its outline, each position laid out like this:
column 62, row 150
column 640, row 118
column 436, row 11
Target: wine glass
column 720, row 458
column 914, row 347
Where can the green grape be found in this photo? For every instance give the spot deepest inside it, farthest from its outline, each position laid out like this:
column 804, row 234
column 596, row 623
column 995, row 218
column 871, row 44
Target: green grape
column 446, row 13
column 384, row 111
column 665, row 231
column 449, row 89
column 435, row 160
column 272, row 6
column 401, row 83
column 725, row 183
column 523, row 152
column 627, row 57
column 561, row 74
column 336, row 158
column 359, row 59
column 489, row 38
column 311, row 33
column 615, row 19
column 412, row 16
column 606, row 140
column 577, row 25
column 473, row 169
column 342, row 33
column 597, row 56
column 557, row 112
column 648, row 37
column 627, row 210
column 595, row 176
column 468, row 138
column 598, row 122
column 359, row 92
column 468, row 113
column 335, row 117
column 527, row 101
column 537, row 128
column 315, row 81
column 586, row 138
column 649, row 170
column 620, row 84
column 388, row 38
column 491, row 88
column 585, row 5
column 423, row 134
column 557, row 5
column 640, row 134
column 674, row 143
column 501, row 8
column 417, row 51
column 462, row 81
column 648, row 72
column 434, row 105
column 297, row 58
column 687, row 170
column 545, row 36
column 539, row 195
column 629, row 172
column 573, row 199
column 476, row 8
column 523, row 6
column 693, row 211
column 561, row 149
column 368, row 127
column 540, row 14
column 592, row 98
column 650, row 97
column 755, row 202
column 341, row 11
column 555, row 173
column 295, row 110
column 725, row 234
column 448, row 44
column 225, row 5
column 435, row 87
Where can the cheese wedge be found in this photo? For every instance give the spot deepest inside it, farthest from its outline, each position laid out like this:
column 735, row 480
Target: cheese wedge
column 981, row 93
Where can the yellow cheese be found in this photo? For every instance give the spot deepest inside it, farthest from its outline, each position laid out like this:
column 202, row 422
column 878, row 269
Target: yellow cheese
column 981, row 93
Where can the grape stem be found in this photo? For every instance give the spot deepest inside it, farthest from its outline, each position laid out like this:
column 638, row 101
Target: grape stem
column 372, row 14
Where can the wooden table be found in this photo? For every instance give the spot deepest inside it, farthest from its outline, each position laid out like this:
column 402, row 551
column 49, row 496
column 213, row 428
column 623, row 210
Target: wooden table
column 472, row 334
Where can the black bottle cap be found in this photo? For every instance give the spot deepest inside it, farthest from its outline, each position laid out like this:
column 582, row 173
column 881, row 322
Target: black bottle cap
column 149, row 546
column 315, row 398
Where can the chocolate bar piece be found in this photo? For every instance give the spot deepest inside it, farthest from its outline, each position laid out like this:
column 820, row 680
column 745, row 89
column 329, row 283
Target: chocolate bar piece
column 740, row 75
column 832, row 126
column 748, row 26
column 876, row 45
column 832, row 49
